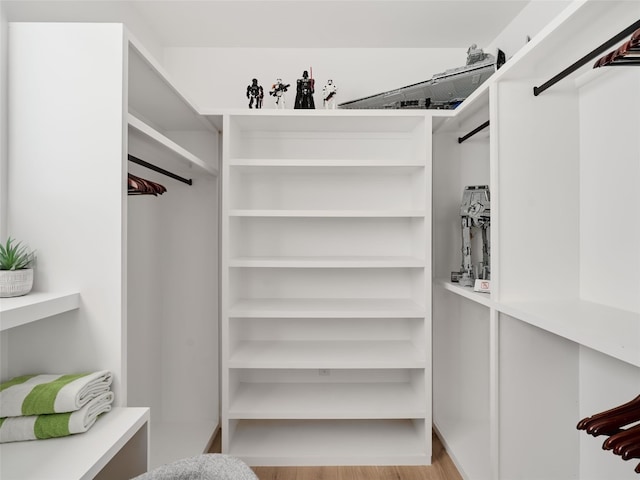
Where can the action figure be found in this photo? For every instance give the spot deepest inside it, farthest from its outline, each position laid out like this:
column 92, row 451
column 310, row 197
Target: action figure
column 255, row 92
column 304, row 92
column 278, row 91
column 475, row 211
column 329, row 95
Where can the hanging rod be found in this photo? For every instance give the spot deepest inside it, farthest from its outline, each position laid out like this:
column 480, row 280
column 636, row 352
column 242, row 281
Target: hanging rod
column 587, row 58
column 150, row 166
column 473, row 132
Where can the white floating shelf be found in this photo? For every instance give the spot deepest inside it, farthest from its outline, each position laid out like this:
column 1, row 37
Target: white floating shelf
column 327, row 308
column 330, row 442
column 388, row 165
column 327, row 262
column 76, row 457
column 605, row 329
column 328, row 213
column 169, row 145
column 466, row 292
column 153, row 93
column 326, row 401
column 366, row 354
column 35, row 306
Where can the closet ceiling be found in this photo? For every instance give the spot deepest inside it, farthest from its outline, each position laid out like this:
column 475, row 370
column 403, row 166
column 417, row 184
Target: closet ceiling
column 316, row 23
column 303, row 23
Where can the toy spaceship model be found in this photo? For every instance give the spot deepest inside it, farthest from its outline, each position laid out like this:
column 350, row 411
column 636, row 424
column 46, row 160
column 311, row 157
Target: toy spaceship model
column 444, row 90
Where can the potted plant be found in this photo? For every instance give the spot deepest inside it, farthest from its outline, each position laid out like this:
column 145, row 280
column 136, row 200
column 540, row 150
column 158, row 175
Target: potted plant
column 16, row 274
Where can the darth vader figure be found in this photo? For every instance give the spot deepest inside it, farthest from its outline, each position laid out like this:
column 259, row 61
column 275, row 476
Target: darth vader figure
column 304, row 92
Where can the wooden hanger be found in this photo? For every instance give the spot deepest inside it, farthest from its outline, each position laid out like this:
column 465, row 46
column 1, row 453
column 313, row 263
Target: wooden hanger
column 141, row 186
column 627, row 54
column 613, row 424
column 632, row 407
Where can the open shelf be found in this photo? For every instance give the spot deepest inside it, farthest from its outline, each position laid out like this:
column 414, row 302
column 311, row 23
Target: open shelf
column 327, row 262
column 154, row 98
column 326, row 401
column 77, row 457
column 35, row 306
column 329, row 213
column 325, row 267
column 466, row 292
column 331, row 442
column 319, row 163
column 188, row 159
column 326, row 354
column 330, row 307
column 605, row 329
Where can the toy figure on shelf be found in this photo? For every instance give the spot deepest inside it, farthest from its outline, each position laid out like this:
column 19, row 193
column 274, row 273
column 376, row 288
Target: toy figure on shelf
column 329, row 93
column 304, row 92
column 475, row 211
column 255, row 93
column 278, row 90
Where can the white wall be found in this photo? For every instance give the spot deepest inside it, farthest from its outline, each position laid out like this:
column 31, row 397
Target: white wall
column 3, row 161
column 527, row 23
column 218, row 77
column 3, row 122
column 85, row 11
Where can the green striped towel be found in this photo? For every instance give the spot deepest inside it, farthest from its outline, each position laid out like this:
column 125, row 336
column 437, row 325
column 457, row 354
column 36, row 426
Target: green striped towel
column 44, row 394
column 36, row 427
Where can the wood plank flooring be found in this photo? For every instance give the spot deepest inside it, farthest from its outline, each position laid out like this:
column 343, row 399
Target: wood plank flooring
column 442, row 468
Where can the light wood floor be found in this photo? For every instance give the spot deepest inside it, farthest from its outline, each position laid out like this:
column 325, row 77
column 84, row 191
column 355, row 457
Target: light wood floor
column 441, row 468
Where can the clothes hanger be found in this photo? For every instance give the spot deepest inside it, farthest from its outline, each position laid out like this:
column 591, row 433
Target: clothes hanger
column 622, row 439
column 612, row 425
column 141, row 186
column 631, row 406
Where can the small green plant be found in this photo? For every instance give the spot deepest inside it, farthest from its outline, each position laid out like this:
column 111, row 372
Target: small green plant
column 15, row 256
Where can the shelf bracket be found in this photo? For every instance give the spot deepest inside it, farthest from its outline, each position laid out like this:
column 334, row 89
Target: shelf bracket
column 473, row 132
column 587, row 58
column 150, row 166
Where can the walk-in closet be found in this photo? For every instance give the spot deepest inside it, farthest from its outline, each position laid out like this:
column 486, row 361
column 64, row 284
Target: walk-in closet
column 288, row 281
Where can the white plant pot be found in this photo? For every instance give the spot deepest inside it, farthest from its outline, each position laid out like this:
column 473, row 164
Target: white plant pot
column 14, row 283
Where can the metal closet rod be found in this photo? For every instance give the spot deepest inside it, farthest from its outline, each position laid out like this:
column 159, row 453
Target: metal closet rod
column 150, row 166
column 587, row 58
column 473, row 132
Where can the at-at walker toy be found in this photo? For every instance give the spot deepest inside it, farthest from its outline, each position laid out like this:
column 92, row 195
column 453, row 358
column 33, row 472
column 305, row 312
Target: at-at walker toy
column 475, row 211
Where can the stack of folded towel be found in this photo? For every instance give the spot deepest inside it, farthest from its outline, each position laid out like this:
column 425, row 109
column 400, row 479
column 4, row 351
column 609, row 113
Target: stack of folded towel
column 34, row 407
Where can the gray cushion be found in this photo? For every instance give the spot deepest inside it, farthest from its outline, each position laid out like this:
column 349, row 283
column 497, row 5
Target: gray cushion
column 208, row 466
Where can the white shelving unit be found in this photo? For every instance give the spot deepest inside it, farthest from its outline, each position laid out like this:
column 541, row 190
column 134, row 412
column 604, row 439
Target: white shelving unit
column 121, row 432
column 558, row 338
column 67, row 196
column 35, row 306
column 326, row 331
column 173, row 357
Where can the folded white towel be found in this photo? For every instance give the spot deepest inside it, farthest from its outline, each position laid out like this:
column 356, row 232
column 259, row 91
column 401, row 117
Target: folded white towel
column 44, row 394
column 35, row 427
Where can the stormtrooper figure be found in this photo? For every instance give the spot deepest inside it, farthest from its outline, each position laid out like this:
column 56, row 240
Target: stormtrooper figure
column 255, row 93
column 278, row 90
column 329, row 92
